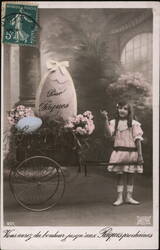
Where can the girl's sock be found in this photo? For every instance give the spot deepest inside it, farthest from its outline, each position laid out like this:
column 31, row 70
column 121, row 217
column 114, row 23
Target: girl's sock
column 129, row 198
column 119, row 200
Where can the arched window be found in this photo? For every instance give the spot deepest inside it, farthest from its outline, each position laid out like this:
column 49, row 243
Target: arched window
column 137, row 55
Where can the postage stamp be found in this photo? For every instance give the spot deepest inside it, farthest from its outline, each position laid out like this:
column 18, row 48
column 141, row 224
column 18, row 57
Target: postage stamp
column 20, row 24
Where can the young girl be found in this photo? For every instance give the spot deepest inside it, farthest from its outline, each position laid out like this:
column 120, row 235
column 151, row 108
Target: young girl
column 126, row 157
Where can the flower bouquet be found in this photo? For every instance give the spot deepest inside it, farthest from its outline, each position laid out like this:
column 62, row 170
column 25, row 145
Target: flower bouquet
column 81, row 126
column 18, row 113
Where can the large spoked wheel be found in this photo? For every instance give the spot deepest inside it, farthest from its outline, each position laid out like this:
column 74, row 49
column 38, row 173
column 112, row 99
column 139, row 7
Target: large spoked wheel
column 37, row 183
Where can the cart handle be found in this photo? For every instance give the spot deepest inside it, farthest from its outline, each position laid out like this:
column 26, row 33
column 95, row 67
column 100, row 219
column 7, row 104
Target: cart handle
column 124, row 163
column 113, row 163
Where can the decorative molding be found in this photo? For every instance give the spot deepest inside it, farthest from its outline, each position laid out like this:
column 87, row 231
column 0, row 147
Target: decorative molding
column 132, row 23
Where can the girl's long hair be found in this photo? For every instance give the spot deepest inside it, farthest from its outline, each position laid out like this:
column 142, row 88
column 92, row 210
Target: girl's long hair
column 129, row 117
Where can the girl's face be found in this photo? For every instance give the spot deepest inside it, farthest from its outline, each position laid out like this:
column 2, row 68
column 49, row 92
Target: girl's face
column 123, row 111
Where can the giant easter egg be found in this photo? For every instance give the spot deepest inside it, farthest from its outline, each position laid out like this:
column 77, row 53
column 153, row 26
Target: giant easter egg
column 56, row 96
column 29, row 124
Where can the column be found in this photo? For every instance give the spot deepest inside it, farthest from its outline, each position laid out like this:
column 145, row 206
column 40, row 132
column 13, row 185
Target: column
column 29, row 74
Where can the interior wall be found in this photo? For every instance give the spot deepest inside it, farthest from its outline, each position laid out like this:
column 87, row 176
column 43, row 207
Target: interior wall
column 63, row 35
column 83, row 37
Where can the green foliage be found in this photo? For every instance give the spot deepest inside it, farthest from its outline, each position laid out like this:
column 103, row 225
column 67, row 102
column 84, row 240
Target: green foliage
column 94, row 62
column 86, row 49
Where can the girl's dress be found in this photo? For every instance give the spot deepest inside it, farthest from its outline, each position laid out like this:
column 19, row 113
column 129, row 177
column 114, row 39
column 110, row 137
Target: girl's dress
column 124, row 150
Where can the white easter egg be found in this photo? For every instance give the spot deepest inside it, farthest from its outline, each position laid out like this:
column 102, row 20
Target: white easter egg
column 56, row 96
column 29, row 124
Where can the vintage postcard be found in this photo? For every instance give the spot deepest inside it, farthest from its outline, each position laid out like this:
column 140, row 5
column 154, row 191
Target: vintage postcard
column 80, row 125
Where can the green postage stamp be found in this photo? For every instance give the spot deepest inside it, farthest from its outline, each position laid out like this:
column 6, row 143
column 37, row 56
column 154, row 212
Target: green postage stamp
column 20, row 24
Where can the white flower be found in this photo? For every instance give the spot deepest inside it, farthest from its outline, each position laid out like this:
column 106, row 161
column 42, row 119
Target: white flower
column 18, row 113
column 20, row 107
column 81, row 124
column 21, row 113
column 88, row 114
column 78, row 118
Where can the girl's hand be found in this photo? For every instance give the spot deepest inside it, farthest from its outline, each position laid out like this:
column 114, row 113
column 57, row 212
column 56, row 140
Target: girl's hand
column 104, row 114
column 140, row 159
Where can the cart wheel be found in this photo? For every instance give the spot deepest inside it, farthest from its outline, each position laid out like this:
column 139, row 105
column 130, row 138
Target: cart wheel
column 37, row 183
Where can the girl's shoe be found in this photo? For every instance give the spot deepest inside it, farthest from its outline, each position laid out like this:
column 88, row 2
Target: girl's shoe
column 130, row 200
column 118, row 202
